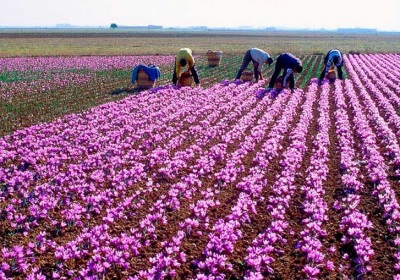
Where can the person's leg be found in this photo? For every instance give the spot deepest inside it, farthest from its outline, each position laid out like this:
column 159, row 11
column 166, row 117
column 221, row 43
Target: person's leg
column 195, row 74
column 256, row 74
column 174, row 76
column 277, row 70
column 291, row 81
column 275, row 75
column 245, row 63
column 340, row 72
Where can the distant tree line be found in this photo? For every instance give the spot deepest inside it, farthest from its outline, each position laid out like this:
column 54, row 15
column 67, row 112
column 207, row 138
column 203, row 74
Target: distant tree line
column 357, row 30
column 114, row 25
column 270, row 29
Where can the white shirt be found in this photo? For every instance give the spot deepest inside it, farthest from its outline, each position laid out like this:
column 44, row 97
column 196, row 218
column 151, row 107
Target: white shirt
column 259, row 56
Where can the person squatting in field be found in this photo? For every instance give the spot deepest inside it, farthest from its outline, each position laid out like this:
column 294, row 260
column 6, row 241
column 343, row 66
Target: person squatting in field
column 185, row 57
column 291, row 65
column 332, row 58
column 259, row 58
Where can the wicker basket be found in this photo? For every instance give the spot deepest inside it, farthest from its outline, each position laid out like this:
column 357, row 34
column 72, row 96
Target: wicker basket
column 143, row 81
column 331, row 75
column 214, row 58
column 279, row 83
column 186, row 80
column 247, row 75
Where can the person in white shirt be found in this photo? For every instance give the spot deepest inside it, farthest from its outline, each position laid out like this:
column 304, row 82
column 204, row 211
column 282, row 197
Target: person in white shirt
column 259, row 58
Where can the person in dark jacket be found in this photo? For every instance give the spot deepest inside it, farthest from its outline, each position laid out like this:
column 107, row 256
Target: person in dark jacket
column 291, row 65
column 259, row 58
column 332, row 58
column 185, row 57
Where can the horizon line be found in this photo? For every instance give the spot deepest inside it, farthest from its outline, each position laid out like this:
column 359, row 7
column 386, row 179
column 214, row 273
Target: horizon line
column 200, row 27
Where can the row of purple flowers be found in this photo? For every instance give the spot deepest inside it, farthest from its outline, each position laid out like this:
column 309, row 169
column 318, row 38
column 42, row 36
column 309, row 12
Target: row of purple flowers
column 38, row 75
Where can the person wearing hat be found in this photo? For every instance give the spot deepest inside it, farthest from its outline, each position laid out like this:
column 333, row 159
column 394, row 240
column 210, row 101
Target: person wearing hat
column 259, row 58
column 291, row 65
column 332, row 58
column 185, row 57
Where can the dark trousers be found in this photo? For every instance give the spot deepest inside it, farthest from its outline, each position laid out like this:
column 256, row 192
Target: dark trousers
column 277, row 71
column 246, row 60
column 193, row 71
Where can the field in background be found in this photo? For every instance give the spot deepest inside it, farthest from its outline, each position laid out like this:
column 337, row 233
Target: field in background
column 128, row 42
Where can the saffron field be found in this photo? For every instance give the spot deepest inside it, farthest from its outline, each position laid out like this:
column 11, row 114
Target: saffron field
column 222, row 181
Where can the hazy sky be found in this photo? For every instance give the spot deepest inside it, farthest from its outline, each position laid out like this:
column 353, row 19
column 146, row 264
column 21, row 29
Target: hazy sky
column 383, row 14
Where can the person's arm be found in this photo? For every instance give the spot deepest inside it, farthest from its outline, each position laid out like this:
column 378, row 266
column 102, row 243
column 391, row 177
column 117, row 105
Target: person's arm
column 178, row 70
column 328, row 66
column 340, row 61
column 288, row 73
column 195, row 74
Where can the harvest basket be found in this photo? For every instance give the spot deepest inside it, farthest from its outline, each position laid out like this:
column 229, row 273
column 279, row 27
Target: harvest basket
column 143, row 81
column 186, row 80
column 247, row 75
column 214, row 58
column 279, row 83
column 331, row 75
